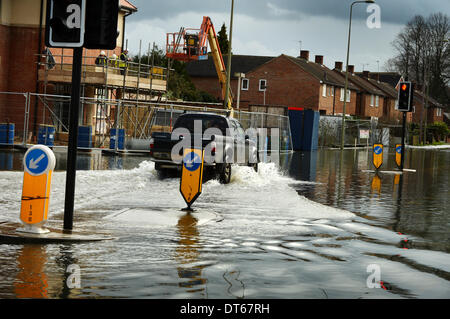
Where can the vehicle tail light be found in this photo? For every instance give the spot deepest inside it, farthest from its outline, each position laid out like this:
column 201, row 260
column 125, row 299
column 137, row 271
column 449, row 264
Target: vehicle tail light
column 152, row 145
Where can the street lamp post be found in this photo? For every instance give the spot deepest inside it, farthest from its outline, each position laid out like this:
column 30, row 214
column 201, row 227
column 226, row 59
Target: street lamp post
column 346, row 70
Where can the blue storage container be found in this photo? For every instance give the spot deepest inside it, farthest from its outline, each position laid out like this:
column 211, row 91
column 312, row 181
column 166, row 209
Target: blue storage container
column 310, row 130
column 46, row 135
column 7, row 134
column 304, row 129
column 296, row 124
column 85, row 136
column 120, row 136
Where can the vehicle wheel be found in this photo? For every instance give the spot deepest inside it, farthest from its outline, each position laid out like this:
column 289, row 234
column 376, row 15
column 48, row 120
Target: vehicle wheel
column 255, row 166
column 224, row 173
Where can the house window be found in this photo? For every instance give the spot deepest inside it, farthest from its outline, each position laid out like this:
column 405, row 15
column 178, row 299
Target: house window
column 324, row 90
column 262, row 85
column 377, row 100
column 245, row 83
column 342, row 95
column 371, row 99
column 438, row 111
column 348, row 96
column 332, row 90
column 396, row 104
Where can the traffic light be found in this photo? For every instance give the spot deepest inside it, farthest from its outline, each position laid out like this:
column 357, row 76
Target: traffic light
column 101, row 24
column 65, row 23
column 405, row 96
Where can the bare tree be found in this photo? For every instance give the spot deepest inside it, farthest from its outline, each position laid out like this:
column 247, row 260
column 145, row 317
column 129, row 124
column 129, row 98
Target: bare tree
column 423, row 53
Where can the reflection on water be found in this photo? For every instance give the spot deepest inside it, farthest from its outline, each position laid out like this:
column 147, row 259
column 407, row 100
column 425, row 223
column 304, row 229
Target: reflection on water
column 31, row 281
column 187, row 254
column 413, row 202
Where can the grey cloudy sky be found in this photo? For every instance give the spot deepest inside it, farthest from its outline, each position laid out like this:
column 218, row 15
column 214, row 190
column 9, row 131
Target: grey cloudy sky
column 274, row 27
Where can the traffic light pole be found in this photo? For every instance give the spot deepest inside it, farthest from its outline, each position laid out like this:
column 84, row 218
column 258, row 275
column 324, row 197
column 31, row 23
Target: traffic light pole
column 73, row 138
column 403, row 141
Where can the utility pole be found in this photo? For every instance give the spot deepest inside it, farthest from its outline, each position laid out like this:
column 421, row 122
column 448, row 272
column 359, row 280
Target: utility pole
column 227, row 91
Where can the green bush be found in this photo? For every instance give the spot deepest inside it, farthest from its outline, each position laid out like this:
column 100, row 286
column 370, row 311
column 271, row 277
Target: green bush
column 439, row 131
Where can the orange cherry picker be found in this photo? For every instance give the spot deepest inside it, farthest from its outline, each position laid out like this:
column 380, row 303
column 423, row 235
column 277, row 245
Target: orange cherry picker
column 192, row 45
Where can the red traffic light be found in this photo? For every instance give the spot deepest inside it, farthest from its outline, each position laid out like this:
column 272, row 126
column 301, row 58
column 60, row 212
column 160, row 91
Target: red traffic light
column 404, row 87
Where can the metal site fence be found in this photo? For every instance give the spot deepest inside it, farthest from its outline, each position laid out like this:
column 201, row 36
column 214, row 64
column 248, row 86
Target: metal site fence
column 358, row 132
column 102, row 120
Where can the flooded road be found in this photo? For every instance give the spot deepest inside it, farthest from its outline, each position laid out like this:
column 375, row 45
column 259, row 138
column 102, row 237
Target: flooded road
column 314, row 226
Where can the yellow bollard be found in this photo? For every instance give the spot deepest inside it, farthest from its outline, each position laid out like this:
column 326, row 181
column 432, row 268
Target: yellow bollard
column 377, row 155
column 39, row 162
column 398, row 154
column 191, row 175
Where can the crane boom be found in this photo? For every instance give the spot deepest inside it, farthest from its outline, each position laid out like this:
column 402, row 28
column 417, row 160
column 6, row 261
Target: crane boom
column 194, row 46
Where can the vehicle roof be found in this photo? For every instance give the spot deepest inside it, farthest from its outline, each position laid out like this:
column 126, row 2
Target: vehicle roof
column 207, row 114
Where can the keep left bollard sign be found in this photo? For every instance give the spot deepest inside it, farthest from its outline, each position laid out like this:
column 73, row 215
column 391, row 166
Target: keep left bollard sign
column 39, row 162
column 377, row 155
column 191, row 175
column 398, row 154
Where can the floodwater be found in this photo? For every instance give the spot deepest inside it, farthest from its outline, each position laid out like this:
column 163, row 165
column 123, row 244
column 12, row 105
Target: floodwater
column 311, row 225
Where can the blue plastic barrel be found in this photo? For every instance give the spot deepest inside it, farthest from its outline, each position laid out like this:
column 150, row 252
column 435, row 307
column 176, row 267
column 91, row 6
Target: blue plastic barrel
column 120, row 136
column 85, row 136
column 46, row 135
column 7, row 133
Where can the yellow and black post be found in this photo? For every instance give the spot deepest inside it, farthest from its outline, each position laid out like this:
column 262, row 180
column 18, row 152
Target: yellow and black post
column 191, row 175
column 377, row 155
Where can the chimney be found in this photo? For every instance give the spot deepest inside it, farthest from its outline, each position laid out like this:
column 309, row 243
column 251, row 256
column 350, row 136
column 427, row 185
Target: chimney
column 304, row 54
column 365, row 74
column 338, row 65
column 351, row 69
column 319, row 59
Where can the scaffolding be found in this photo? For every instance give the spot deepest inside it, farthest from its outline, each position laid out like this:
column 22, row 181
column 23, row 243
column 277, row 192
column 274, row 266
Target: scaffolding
column 110, row 90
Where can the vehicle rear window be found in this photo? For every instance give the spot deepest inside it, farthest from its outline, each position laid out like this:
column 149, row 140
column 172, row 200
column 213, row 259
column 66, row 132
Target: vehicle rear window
column 207, row 122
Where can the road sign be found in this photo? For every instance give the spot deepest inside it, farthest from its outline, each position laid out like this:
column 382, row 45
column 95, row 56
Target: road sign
column 191, row 175
column 65, row 23
column 377, row 155
column 398, row 154
column 39, row 162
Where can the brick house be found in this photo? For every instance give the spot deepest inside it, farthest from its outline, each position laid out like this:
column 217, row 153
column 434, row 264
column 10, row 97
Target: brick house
column 282, row 81
column 22, row 34
column 203, row 74
column 390, row 113
column 370, row 99
column 435, row 110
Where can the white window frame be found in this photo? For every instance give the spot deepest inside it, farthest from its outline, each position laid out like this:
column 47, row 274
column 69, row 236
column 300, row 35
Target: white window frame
column 242, row 84
column 348, row 96
column 341, row 98
column 332, row 90
column 372, row 97
column 265, row 84
column 377, row 100
column 324, row 90
column 438, row 111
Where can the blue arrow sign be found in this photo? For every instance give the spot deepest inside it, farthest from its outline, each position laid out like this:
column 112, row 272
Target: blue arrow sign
column 377, row 150
column 36, row 161
column 399, row 149
column 192, row 161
